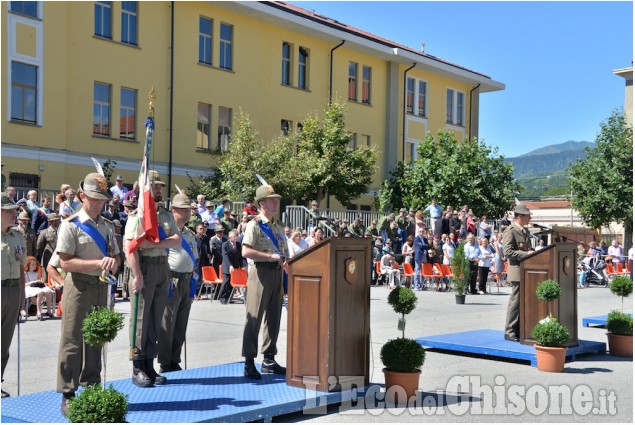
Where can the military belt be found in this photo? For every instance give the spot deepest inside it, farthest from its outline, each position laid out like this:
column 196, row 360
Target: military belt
column 179, row 276
column 162, row 259
column 267, row 265
column 85, row 278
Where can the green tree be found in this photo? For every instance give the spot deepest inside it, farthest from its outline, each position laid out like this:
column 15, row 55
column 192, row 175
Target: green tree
column 209, row 185
column 325, row 163
column 602, row 183
column 307, row 165
column 456, row 173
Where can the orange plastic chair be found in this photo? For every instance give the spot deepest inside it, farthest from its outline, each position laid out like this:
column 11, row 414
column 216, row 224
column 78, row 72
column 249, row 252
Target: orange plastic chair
column 408, row 271
column 438, row 271
column 210, row 278
column 610, row 270
column 447, row 271
column 620, row 269
column 238, row 279
column 428, row 274
column 380, row 276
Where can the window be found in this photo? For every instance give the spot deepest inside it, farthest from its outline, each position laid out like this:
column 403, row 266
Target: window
column 22, row 180
column 101, row 109
column 226, row 34
column 365, row 140
column 23, row 92
column 129, row 22
column 303, row 59
column 410, row 95
column 128, row 113
column 449, row 106
column 411, row 151
column 204, row 123
column 352, row 142
column 224, row 127
column 26, row 8
column 205, row 41
column 459, row 108
column 285, row 127
column 421, row 97
column 103, row 19
column 366, row 76
column 352, row 81
column 455, row 107
column 286, row 64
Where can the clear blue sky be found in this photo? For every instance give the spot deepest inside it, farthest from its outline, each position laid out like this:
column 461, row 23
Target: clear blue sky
column 555, row 58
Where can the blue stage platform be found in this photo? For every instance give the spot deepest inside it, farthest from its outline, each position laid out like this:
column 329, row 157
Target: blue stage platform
column 209, row 394
column 492, row 343
column 596, row 320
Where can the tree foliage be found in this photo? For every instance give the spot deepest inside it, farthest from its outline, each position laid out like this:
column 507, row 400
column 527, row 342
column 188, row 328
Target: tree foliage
column 306, row 165
column 456, row 173
column 329, row 166
column 209, row 185
column 602, row 183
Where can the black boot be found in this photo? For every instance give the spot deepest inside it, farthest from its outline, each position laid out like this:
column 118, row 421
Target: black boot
column 152, row 374
column 139, row 376
column 250, row 370
column 269, row 365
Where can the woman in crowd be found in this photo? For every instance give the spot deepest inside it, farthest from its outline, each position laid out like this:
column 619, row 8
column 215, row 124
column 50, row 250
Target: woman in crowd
column 484, row 264
column 36, row 290
column 317, row 238
column 69, row 206
column 408, row 250
column 448, row 250
column 499, row 259
column 294, row 244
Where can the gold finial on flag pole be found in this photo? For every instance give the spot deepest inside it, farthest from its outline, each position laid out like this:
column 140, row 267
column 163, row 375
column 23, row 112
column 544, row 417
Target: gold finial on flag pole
column 151, row 98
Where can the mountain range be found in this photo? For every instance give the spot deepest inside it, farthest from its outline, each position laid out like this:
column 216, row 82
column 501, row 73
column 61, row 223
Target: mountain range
column 550, row 158
column 542, row 171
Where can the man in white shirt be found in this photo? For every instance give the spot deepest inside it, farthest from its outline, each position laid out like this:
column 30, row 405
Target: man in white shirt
column 200, row 204
column 119, row 188
column 209, row 215
column 617, row 252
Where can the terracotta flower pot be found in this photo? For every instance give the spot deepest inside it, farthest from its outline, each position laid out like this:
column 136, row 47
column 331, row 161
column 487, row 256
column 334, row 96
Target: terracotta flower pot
column 620, row 345
column 550, row 359
column 408, row 382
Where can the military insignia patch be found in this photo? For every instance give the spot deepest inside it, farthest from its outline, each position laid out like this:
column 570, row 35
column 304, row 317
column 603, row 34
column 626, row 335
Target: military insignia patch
column 101, row 182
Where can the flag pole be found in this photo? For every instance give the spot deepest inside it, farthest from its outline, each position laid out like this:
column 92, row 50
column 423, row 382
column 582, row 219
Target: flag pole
column 143, row 180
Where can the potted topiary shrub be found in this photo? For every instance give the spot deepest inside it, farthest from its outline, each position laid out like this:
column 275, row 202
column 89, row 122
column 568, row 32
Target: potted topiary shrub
column 461, row 272
column 98, row 405
column 100, row 327
column 402, row 357
column 550, row 335
column 619, row 324
column 620, row 334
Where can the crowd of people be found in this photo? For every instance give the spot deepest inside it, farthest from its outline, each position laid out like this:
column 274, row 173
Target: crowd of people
column 97, row 237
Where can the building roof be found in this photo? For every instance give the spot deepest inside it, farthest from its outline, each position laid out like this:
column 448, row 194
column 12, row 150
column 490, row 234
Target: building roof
column 359, row 32
column 332, row 30
column 543, row 205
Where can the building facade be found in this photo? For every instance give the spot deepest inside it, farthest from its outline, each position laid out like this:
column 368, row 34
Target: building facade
column 76, row 77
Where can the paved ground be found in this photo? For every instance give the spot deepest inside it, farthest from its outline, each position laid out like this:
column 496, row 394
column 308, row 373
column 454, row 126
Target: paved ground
column 519, row 392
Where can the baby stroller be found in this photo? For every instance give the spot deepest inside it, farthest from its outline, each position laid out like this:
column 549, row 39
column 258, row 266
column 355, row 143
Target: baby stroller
column 593, row 272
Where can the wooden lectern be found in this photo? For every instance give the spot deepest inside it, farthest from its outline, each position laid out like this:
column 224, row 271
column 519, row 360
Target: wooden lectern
column 557, row 262
column 328, row 336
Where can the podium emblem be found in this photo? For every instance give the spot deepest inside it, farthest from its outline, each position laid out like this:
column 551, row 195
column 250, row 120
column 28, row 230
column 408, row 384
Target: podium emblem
column 352, row 273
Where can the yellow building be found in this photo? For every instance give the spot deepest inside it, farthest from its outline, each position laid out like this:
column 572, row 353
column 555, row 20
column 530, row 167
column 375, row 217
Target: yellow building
column 76, row 76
